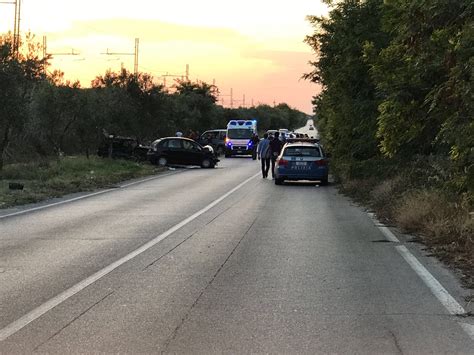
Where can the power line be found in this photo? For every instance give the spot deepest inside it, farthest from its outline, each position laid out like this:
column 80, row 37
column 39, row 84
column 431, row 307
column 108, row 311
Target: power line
column 135, row 54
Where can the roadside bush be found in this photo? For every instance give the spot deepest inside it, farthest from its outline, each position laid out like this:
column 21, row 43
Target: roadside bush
column 384, row 197
column 440, row 220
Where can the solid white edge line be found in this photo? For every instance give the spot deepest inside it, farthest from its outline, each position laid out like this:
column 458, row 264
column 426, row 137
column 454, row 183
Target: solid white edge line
column 20, row 323
column 149, row 179
column 436, row 288
column 81, row 197
column 385, row 230
column 468, row 328
column 388, row 234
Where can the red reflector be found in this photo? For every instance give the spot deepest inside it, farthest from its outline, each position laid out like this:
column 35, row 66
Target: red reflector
column 282, row 162
column 322, row 162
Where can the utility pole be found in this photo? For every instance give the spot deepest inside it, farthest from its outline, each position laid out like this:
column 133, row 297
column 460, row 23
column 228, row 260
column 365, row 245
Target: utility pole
column 164, row 76
column 135, row 54
column 51, row 55
column 44, row 47
column 252, row 102
column 243, row 101
column 44, row 54
column 135, row 62
column 45, row 50
column 16, row 35
column 231, row 98
column 16, row 24
column 187, row 72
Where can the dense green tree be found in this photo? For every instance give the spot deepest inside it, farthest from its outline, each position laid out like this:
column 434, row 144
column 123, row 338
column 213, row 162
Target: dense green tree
column 425, row 78
column 53, row 111
column 347, row 105
column 19, row 72
column 195, row 105
column 133, row 103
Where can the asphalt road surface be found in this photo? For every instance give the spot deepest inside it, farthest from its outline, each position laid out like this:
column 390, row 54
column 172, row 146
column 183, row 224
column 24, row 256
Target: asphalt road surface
column 221, row 261
column 312, row 133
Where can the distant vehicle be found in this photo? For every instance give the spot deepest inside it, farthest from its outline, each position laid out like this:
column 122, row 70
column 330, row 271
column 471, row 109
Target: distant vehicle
column 271, row 132
column 119, row 147
column 284, row 133
column 238, row 139
column 181, row 151
column 215, row 138
column 302, row 160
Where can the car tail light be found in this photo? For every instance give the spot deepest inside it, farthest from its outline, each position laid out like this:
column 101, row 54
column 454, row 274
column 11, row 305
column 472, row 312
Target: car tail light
column 321, row 162
column 282, row 162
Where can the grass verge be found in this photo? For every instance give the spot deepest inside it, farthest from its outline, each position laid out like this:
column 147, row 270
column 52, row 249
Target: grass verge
column 55, row 178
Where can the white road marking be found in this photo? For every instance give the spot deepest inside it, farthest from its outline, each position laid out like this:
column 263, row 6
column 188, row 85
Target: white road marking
column 81, row 197
column 388, row 234
column 436, row 288
column 385, row 230
column 147, row 179
column 468, row 328
column 452, row 306
column 15, row 326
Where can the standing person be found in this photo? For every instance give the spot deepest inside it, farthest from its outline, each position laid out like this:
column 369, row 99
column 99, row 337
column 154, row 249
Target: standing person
column 179, row 133
column 263, row 153
column 193, row 135
column 255, row 140
column 275, row 148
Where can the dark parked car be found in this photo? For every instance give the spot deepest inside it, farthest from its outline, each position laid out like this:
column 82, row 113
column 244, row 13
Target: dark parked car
column 181, row 151
column 215, row 138
column 120, row 147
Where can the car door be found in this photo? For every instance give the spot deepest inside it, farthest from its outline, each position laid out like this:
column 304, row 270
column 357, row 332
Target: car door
column 174, row 151
column 192, row 153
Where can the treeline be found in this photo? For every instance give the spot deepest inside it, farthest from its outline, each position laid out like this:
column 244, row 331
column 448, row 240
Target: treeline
column 43, row 115
column 398, row 86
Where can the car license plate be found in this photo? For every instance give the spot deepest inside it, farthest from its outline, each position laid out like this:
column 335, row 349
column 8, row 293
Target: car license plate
column 300, row 165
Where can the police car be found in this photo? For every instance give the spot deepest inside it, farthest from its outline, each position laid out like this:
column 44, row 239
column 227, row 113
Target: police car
column 302, row 160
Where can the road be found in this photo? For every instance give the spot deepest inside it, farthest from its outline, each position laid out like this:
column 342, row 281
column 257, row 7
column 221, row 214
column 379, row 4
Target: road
column 312, row 133
column 219, row 261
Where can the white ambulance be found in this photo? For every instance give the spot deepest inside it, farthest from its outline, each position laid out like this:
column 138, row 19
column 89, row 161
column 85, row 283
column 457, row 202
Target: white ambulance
column 238, row 139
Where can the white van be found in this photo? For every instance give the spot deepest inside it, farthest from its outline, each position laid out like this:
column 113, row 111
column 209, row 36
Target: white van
column 238, row 138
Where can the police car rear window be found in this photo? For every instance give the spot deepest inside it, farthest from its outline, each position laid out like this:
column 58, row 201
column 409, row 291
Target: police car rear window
column 302, row 152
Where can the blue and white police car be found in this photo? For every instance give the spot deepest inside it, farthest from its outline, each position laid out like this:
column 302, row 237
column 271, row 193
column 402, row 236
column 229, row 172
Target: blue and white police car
column 302, row 160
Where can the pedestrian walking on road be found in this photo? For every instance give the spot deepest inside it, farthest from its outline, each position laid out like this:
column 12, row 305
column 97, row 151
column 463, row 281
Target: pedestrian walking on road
column 275, row 149
column 255, row 140
column 264, row 154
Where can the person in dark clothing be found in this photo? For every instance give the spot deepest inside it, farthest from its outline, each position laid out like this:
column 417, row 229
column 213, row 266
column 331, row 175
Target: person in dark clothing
column 254, row 141
column 263, row 153
column 275, row 149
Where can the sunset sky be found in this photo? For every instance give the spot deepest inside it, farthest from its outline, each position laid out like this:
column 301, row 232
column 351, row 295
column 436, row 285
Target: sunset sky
column 254, row 47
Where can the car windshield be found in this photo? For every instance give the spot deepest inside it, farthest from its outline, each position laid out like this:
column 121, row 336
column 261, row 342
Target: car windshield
column 240, row 133
column 302, row 152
